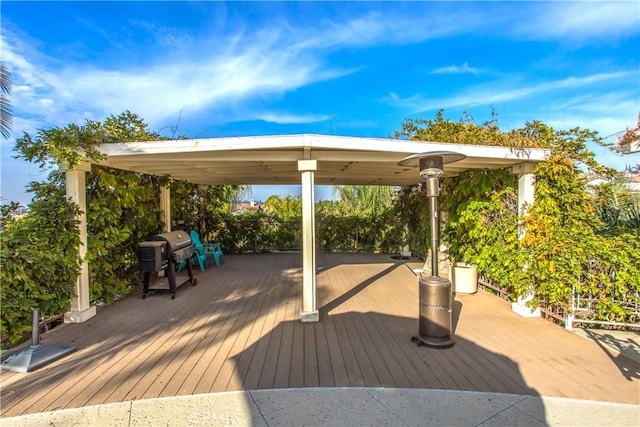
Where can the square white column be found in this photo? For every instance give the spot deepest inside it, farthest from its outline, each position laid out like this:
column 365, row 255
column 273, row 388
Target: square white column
column 309, row 312
column 81, row 309
column 165, row 207
column 526, row 195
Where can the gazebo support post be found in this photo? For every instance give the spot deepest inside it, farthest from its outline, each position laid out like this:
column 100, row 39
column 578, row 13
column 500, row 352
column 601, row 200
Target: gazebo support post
column 309, row 312
column 81, row 308
column 526, row 195
column 165, row 207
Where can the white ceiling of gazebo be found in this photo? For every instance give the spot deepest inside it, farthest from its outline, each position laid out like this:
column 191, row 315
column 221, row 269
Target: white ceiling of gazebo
column 274, row 159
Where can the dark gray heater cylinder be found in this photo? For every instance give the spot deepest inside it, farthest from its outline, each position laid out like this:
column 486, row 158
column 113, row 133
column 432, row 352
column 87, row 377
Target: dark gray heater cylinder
column 436, row 315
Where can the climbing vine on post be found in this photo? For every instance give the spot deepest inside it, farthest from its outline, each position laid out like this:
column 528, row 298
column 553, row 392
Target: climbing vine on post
column 122, row 206
column 564, row 248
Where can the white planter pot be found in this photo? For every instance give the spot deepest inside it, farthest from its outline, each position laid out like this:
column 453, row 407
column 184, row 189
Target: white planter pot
column 464, row 278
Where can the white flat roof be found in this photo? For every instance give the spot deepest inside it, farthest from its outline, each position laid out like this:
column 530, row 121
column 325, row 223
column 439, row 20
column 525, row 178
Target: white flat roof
column 273, row 159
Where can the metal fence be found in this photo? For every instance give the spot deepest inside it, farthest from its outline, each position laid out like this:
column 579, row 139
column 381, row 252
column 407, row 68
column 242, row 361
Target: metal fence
column 581, row 309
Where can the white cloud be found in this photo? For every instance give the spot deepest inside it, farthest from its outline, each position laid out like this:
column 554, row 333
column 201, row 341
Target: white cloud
column 457, row 69
column 255, row 66
column 580, row 20
column 610, row 103
column 376, row 28
column 525, row 20
column 501, row 92
column 606, row 126
column 284, row 118
column 609, row 114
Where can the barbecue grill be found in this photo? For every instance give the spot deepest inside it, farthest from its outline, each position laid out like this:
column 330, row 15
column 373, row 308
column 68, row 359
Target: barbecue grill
column 162, row 253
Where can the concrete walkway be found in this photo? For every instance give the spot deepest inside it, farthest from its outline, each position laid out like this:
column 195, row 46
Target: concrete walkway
column 342, row 407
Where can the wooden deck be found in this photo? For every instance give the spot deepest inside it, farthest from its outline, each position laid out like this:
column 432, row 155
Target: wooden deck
column 239, row 329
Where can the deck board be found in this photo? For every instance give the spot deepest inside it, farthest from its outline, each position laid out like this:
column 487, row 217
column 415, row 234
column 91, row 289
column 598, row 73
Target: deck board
column 239, row 329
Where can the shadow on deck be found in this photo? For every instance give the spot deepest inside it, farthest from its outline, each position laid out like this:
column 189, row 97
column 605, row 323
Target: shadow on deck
column 238, row 329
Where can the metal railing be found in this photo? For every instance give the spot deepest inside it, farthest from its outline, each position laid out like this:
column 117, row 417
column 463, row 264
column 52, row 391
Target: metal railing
column 499, row 291
column 583, row 311
column 582, row 308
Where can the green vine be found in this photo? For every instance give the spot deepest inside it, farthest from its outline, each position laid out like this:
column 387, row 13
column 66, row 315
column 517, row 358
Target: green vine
column 40, row 263
column 573, row 241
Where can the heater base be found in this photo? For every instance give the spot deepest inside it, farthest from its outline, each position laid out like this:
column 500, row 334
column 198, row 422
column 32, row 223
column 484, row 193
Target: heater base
column 433, row 342
column 34, row 357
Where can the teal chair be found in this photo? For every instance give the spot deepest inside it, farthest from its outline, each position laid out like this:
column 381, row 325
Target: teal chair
column 197, row 257
column 208, row 250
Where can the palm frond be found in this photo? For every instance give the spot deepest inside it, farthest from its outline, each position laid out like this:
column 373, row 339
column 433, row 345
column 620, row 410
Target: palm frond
column 6, row 112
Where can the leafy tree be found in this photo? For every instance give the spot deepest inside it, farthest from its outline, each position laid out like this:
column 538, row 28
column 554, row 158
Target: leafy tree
column 617, row 208
column 465, row 131
column 40, row 262
column 286, row 208
column 362, row 220
column 367, row 200
column 411, row 207
column 122, row 206
column 204, row 208
column 283, row 223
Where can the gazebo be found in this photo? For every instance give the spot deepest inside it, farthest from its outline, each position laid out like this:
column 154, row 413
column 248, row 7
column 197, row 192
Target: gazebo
column 305, row 159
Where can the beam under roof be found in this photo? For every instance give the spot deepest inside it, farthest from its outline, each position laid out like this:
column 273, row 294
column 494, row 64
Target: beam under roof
column 273, row 159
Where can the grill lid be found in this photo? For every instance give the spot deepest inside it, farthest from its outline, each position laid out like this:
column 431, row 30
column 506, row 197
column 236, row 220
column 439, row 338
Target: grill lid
column 175, row 240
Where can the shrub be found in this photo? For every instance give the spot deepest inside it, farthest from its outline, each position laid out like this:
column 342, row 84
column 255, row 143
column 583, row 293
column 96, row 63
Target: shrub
column 40, row 263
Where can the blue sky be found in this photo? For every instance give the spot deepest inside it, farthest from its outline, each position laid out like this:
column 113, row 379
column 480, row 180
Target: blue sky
column 349, row 68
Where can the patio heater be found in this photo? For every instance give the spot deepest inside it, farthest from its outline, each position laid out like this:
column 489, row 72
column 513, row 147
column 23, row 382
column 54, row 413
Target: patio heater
column 435, row 293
